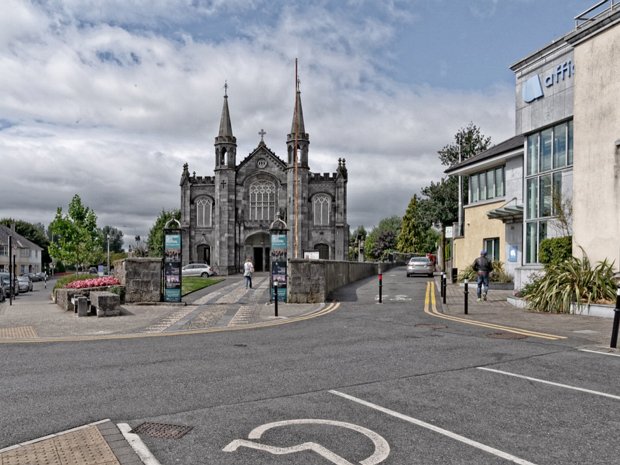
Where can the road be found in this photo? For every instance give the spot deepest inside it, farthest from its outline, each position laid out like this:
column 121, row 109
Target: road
column 370, row 383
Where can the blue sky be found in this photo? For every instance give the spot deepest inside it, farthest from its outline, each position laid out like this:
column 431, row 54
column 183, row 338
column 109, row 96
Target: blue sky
column 109, row 99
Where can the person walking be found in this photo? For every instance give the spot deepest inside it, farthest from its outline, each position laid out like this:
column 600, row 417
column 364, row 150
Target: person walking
column 483, row 267
column 248, row 269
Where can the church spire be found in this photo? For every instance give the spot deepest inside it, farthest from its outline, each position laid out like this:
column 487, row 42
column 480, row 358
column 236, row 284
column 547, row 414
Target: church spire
column 298, row 114
column 225, row 124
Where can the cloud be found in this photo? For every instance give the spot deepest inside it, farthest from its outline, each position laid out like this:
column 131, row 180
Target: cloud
column 104, row 101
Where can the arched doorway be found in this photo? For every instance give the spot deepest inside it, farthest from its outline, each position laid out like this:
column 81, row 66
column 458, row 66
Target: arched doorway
column 258, row 247
column 323, row 250
column 203, row 254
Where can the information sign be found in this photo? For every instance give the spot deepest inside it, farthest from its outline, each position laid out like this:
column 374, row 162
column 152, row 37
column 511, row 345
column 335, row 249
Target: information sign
column 172, row 265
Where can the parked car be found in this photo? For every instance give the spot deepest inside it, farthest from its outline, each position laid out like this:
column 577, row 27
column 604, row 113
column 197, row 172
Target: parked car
column 420, row 265
column 4, row 276
column 35, row 277
column 197, row 269
column 4, row 290
column 25, row 283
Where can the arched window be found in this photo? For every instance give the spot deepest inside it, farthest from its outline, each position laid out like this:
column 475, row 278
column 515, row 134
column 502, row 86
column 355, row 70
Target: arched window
column 262, row 201
column 204, row 207
column 322, row 205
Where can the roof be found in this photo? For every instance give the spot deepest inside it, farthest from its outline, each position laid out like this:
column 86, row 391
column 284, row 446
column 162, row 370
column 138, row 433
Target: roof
column 505, row 149
column 507, row 213
column 19, row 241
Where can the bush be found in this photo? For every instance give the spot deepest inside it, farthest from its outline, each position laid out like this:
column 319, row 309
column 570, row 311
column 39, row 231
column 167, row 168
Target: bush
column 498, row 275
column 555, row 250
column 571, row 281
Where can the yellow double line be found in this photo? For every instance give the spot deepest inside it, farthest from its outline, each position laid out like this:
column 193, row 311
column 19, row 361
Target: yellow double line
column 430, row 308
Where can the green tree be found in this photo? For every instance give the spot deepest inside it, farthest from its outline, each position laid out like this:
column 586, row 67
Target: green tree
column 76, row 240
column 116, row 239
column 381, row 241
column 406, row 242
column 358, row 235
column 156, row 234
column 33, row 232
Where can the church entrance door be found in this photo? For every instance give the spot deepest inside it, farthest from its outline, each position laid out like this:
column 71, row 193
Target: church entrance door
column 203, row 254
column 258, row 247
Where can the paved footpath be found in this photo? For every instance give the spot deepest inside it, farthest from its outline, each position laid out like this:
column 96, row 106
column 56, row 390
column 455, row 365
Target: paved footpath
column 224, row 307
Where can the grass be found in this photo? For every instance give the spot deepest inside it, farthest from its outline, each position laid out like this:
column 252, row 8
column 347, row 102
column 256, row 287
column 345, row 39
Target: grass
column 195, row 283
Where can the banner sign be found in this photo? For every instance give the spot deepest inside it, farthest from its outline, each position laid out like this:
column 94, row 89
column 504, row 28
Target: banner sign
column 172, row 265
column 279, row 244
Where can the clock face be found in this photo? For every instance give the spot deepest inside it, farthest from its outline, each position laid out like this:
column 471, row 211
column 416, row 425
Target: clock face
column 261, row 163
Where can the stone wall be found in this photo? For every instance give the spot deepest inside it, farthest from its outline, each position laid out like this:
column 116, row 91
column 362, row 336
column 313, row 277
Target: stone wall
column 141, row 278
column 311, row 281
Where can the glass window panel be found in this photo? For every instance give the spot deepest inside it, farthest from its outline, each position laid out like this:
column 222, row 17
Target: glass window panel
column 545, row 195
column 542, row 232
column 546, row 139
column 557, row 192
column 483, row 186
column 531, row 247
column 499, row 182
column 532, row 198
column 491, row 185
column 559, row 146
column 474, row 188
column 532, row 154
column 570, row 143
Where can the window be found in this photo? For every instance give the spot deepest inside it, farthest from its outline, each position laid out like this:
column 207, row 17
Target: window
column 492, row 248
column 262, row 201
column 25, row 253
column 549, row 156
column 4, row 250
column 487, row 185
column 204, row 209
column 321, row 204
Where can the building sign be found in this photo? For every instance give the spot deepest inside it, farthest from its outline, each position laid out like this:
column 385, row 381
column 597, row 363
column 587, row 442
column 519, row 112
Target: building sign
column 279, row 244
column 172, row 265
column 532, row 88
column 448, row 233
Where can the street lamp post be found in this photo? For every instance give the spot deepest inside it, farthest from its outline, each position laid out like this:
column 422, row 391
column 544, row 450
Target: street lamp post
column 108, row 238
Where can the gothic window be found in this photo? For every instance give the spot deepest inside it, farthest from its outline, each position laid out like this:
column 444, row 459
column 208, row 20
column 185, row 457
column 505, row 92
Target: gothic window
column 322, row 205
column 262, row 201
column 204, row 207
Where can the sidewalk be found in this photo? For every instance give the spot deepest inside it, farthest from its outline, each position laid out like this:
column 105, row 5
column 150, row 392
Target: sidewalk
column 588, row 330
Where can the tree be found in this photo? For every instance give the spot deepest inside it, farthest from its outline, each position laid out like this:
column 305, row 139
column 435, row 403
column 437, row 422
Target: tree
column 156, row 234
column 357, row 237
column 76, row 240
column 468, row 142
column 116, row 239
column 406, row 242
column 33, row 232
column 381, row 241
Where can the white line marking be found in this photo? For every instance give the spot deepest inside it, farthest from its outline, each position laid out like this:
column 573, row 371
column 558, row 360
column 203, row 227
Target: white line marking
column 566, row 386
column 436, row 429
column 599, row 352
column 382, row 448
column 137, row 445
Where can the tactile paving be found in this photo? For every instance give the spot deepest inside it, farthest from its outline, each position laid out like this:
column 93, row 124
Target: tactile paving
column 18, row 332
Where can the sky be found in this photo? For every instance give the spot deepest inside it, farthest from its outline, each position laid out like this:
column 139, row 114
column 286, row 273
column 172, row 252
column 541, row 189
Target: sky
column 108, row 99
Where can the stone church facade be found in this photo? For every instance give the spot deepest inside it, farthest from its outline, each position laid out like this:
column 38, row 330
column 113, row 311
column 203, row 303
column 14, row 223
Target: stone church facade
column 226, row 218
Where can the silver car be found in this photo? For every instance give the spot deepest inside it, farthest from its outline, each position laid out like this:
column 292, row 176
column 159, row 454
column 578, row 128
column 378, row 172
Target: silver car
column 420, row 265
column 197, row 269
column 25, row 283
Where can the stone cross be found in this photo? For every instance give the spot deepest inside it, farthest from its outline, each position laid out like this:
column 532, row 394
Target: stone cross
column 262, row 133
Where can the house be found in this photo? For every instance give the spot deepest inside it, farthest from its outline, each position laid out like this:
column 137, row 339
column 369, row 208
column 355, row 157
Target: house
column 27, row 255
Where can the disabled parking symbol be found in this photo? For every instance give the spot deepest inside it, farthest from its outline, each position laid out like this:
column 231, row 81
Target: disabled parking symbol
column 381, row 452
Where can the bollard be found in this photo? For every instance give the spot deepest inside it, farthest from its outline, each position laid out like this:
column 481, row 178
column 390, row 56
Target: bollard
column 614, row 331
column 444, row 287
column 380, row 288
column 275, row 297
column 466, row 292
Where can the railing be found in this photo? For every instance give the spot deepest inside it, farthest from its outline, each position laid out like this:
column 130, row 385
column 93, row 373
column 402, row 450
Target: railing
column 595, row 11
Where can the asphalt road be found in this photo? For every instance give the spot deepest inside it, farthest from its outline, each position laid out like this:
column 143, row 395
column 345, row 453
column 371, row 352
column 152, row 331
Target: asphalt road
column 370, row 383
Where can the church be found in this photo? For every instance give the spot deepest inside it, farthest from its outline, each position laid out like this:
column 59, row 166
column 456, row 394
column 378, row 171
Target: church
column 226, row 218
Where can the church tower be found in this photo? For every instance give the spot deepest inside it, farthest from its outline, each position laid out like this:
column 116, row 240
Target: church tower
column 225, row 188
column 297, row 143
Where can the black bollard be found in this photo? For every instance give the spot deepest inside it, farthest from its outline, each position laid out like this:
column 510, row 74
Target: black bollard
column 614, row 331
column 441, row 285
column 466, row 292
column 275, row 297
column 444, row 286
column 380, row 288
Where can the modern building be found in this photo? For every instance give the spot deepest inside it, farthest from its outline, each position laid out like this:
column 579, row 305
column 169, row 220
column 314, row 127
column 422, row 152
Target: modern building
column 27, row 255
column 560, row 173
column 227, row 217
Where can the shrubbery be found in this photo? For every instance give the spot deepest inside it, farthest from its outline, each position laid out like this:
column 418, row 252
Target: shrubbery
column 555, row 250
column 498, row 275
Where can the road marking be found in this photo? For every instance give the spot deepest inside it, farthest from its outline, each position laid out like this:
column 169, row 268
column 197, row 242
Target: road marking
column 566, row 386
column 382, row 448
column 137, row 445
column 599, row 352
column 436, row 429
column 430, row 308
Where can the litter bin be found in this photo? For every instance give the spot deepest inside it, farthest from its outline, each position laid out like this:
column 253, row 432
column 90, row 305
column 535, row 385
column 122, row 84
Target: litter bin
column 455, row 275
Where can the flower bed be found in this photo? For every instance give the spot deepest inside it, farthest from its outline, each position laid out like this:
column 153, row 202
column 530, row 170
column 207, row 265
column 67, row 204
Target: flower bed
column 103, row 281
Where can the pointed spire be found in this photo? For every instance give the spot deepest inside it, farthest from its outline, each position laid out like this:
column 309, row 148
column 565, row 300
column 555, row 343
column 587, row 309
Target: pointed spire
column 225, row 124
column 298, row 115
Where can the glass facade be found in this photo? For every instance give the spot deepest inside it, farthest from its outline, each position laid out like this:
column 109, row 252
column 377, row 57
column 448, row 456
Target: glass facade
column 549, row 154
column 487, row 185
